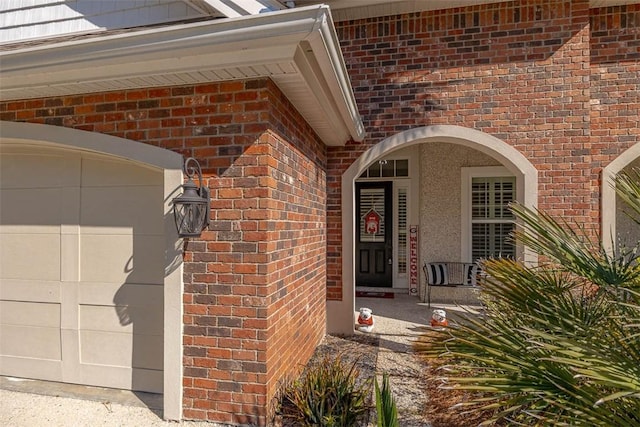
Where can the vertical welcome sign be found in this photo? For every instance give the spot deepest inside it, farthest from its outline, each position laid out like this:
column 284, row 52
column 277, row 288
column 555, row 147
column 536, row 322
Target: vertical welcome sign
column 413, row 259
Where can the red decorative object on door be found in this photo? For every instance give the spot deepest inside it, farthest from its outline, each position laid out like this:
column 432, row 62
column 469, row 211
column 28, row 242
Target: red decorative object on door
column 372, row 222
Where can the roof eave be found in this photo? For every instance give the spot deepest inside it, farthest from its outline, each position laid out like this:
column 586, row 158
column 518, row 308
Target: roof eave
column 265, row 45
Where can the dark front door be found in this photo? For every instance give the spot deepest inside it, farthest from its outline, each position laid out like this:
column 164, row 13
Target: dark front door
column 374, row 234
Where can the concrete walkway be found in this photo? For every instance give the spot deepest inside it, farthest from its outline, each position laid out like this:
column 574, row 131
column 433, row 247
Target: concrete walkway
column 398, row 323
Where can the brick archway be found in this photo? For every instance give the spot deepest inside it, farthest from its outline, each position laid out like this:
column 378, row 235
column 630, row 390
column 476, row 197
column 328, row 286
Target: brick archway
column 340, row 313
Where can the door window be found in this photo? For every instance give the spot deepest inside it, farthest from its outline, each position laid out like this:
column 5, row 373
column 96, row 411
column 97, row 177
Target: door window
column 372, row 214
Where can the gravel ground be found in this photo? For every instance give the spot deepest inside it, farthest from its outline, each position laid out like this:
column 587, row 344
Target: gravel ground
column 389, row 348
column 32, row 410
column 398, row 323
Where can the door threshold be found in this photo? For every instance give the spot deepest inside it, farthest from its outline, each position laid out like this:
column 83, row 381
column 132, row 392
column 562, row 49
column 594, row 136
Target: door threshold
column 381, row 289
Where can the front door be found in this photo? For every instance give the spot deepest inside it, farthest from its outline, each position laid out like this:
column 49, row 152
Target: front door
column 374, row 250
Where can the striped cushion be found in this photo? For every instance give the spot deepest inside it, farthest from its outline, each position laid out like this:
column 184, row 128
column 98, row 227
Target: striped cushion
column 438, row 274
column 470, row 274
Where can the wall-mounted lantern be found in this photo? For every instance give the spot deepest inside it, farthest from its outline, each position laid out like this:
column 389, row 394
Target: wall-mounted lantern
column 191, row 208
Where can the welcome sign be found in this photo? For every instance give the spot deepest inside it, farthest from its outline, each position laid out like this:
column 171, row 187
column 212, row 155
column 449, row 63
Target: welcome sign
column 413, row 259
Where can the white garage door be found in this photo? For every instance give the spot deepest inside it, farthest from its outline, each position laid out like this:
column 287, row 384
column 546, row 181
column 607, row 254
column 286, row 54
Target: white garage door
column 81, row 268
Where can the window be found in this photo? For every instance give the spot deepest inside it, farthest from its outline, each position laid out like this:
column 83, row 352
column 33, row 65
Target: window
column 387, row 169
column 489, row 223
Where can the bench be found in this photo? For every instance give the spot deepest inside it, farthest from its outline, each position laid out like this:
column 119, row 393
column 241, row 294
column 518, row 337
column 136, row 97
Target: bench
column 451, row 274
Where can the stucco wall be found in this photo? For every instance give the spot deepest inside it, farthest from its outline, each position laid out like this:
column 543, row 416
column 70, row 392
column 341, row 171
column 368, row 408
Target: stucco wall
column 440, row 199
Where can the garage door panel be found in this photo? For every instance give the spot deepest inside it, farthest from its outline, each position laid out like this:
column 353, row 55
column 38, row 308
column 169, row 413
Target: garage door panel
column 122, row 318
column 43, row 369
column 132, row 349
column 30, row 256
column 144, row 321
column 29, row 290
column 31, row 210
column 122, row 210
column 116, row 377
column 147, row 379
column 102, row 293
column 147, row 351
column 122, row 258
column 30, row 329
column 29, row 314
column 31, row 342
column 94, row 343
column 105, row 318
column 101, row 172
column 54, row 170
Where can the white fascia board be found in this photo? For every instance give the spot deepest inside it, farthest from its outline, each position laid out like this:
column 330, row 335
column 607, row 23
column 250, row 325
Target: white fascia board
column 244, row 41
column 165, row 42
column 326, row 51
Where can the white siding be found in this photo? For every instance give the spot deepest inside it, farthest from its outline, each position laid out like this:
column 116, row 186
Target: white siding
column 30, row 19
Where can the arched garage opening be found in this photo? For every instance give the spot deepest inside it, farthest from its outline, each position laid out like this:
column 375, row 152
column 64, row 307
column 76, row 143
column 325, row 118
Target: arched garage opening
column 341, row 313
column 90, row 262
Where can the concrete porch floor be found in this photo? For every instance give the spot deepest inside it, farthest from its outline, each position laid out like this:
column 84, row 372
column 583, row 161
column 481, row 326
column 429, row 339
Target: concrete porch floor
column 405, row 311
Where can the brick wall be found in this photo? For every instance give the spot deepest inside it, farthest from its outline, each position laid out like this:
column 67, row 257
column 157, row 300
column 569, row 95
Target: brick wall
column 615, row 83
column 297, row 280
column 516, row 70
column 254, row 297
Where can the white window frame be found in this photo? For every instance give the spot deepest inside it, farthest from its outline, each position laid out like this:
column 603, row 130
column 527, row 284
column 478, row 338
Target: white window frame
column 405, row 184
column 467, row 176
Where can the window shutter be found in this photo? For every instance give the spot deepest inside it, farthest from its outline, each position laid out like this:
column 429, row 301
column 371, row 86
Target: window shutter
column 491, row 220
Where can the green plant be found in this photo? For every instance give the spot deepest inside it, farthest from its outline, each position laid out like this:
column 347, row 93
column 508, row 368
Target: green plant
column 385, row 404
column 559, row 344
column 328, row 395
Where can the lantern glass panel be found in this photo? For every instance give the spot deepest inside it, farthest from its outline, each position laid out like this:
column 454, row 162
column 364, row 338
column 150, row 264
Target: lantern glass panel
column 190, row 218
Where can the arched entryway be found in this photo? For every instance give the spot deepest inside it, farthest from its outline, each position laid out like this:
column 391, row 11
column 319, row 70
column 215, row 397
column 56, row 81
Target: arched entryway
column 91, row 271
column 340, row 313
column 613, row 219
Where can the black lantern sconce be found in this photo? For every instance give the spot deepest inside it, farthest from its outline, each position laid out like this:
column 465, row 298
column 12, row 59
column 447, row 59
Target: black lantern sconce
column 191, row 208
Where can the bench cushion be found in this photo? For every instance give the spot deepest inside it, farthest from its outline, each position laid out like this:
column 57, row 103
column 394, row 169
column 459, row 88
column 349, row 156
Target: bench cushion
column 471, row 274
column 437, row 274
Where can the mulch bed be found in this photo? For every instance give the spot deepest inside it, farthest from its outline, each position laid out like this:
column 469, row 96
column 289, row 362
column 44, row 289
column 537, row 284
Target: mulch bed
column 438, row 408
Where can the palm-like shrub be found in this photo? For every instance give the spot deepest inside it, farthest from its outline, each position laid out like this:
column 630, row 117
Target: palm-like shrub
column 385, row 404
column 329, row 394
column 559, row 343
